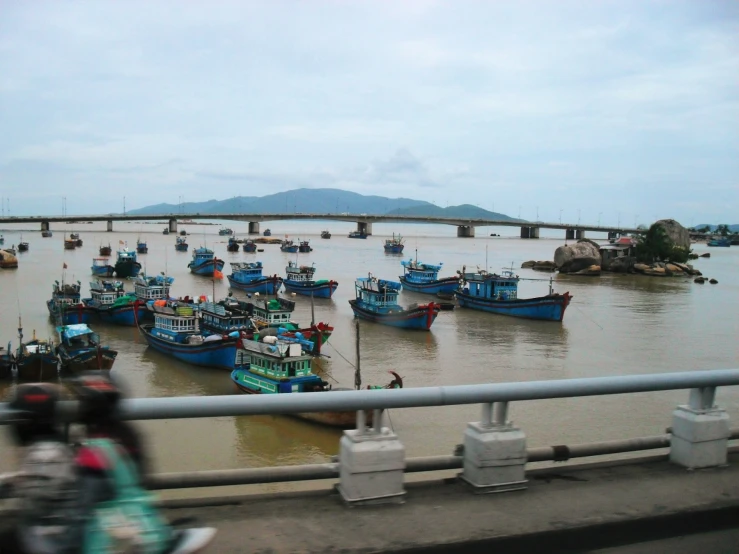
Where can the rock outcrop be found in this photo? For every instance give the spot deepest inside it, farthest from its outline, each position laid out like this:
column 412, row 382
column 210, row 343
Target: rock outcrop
column 541, row 265
column 678, row 234
column 578, row 256
column 624, row 264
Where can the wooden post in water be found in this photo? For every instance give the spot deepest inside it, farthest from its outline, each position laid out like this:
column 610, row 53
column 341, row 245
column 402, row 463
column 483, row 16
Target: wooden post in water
column 357, row 371
column 312, row 310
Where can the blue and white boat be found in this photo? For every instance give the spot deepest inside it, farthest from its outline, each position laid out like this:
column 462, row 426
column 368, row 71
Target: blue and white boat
column 79, row 349
column 176, row 332
column 233, row 245
column 420, row 277
column 101, row 267
column 204, row 262
column 126, row 264
column 112, row 304
column 357, row 235
column 719, row 242
column 498, row 294
column 141, row 246
column 180, row 244
column 289, row 246
column 394, row 245
column 247, row 276
column 249, row 246
column 377, row 300
column 66, row 306
column 299, row 280
column 227, row 316
column 155, row 287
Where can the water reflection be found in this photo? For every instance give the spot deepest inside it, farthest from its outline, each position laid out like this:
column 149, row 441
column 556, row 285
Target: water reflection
column 170, row 377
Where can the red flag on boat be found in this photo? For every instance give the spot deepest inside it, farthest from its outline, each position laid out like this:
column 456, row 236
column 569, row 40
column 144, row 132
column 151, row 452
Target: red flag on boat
column 217, row 274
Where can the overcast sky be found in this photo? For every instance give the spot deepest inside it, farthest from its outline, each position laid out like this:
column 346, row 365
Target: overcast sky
column 623, row 107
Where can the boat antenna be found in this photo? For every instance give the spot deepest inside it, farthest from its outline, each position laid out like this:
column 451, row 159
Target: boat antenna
column 486, row 257
column 357, row 370
column 312, row 310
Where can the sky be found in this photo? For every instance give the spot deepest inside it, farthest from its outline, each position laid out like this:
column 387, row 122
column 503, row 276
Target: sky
column 617, row 111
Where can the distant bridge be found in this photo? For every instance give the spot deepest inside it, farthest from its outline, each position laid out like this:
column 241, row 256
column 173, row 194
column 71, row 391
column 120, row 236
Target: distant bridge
column 465, row 227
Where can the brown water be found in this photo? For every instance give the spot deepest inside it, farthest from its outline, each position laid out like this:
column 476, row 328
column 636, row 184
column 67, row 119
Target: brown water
column 615, row 325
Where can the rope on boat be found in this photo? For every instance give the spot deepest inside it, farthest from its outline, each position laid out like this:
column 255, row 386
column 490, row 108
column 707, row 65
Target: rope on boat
column 588, row 317
column 340, row 354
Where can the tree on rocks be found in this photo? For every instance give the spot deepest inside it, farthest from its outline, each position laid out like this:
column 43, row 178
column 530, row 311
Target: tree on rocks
column 656, row 244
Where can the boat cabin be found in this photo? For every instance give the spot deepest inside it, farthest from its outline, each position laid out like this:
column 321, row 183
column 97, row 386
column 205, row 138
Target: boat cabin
column 420, row 272
column 378, row 293
column 273, row 313
column 303, row 273
column 246, row 271
column 202, row 254
column 78, row 335
column 277, row 361
column 175, row 323
column 492, row 285
column 126, row 255
column 217, row 318
column 152, row 288
column 105, row 293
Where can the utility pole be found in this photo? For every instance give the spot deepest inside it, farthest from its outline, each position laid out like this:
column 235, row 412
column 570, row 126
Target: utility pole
column 124, row 205
column 560, row 216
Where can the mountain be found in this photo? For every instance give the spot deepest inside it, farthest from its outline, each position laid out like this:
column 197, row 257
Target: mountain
column 317, row 201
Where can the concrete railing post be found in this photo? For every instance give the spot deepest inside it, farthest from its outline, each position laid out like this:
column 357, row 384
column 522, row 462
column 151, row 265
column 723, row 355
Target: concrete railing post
column 494, row 452
column 371, row 463
column 700, row 431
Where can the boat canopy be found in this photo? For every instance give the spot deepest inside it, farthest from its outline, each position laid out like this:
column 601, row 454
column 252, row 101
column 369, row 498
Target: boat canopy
column 76, row 330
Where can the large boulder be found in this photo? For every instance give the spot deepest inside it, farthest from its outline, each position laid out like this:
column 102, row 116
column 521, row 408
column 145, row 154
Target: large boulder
column 678, row 234
column 577, row 256
column 624, row 264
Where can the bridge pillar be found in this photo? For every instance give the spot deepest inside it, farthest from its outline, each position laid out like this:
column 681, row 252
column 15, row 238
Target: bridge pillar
column 569, row 234
column 529, row 232
column 494, row 452
column 110, row 226
column 364, row 227
column 465, row 231
column 173, row 226
column 371, row 464
column 612, row 235
column 253, row 227
column 700, row 431
column 579, row 234
column 44, row 225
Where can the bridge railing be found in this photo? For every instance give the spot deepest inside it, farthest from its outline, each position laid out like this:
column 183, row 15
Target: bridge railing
column 493, row 455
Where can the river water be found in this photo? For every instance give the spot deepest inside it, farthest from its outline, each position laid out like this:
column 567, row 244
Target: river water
column 615, row 325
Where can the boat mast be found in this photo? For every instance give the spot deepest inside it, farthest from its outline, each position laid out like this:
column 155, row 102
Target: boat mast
column 357, row 370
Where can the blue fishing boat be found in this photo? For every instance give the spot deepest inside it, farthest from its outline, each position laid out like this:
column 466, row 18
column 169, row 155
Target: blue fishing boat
column 35, row 360
column 498, row 294
column 180, row 244
column 394, row 245
column 227, row 316
column 420, row 277
column 45, row 233
column 282, row 365
column 155, row 287
column 719, row 242
column 288, row 246
column 141, row 246
column 204, row 262
column 225, row 231
column 357, row 235
column 249, row 246
column 66, row 306
column 79, row 349
column 176, row 332
column 112, row 304
column 101, row 267
column 377, row 300
column 299, row 280
column 248, row 277
column 126, row 264
column 233, row 245
column 267, row 233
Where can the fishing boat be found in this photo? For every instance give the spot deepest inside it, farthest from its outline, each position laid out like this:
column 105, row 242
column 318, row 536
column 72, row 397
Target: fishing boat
column 76, row 237
column 35, row 360
column 394, row 245
column 22, row 246
column 46, row 233
column 288, row 246
column 249, row 246
column 498, row 294
column 377, row 300
column 279, row 365
column 8, row 259
column 357, row 235
column 101, row 267
column 183, row 233
column 304, row 246
column 126, row 264
column 149, row 288
column 248, row 277
column 233, row 245
column 267, row 233
column 325, row 235
column 106, row 250
column 725, row 242
column 421, row 277
column 113, row 304
column 70, row 244
column 226, row 316
column 2, row 239
column 176, row 332
column 204, row 262
column 180, row 244
column 299, row 280
column 66, row 306
column 79, row 349
column 141, row 246
column 165, row 231
column 225, row 231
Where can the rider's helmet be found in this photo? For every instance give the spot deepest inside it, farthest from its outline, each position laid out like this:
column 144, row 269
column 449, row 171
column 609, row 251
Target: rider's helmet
column 35, row 406
column 98, row 397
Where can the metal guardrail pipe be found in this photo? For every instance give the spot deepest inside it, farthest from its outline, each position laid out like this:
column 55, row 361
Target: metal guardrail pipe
column 280, row 474
column 211, row 406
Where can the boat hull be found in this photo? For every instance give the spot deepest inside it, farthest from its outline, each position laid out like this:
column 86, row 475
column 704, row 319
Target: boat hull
column 127, row 269
column 70, row 315
column 216, row 354
column 289, row 249
column 90, row 359
column 103, row 271
column 264, row 285
column 415, row 318
column 207, row 267
column 127, row 315
column 324, row 290
column 250, row 247
column 37, row 368
column 444, row 286
column 548, row 308
column 396, row 249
